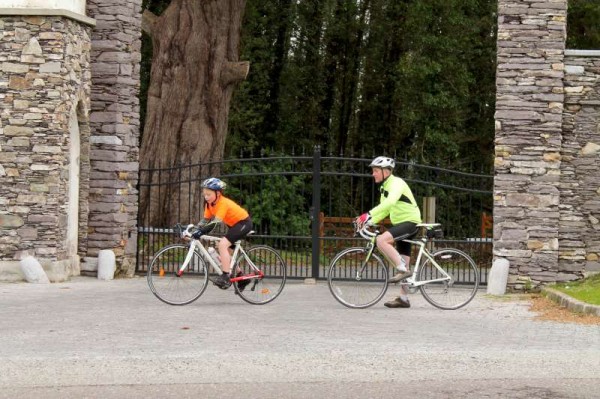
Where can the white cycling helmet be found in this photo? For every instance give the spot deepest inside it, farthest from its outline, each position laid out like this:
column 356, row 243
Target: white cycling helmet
column 383, row 162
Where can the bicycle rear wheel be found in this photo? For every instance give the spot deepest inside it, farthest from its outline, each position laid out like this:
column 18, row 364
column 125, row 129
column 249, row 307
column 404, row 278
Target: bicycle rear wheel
column 260, row 290
column 173, row 289
column 349, row 286
column 462, row 286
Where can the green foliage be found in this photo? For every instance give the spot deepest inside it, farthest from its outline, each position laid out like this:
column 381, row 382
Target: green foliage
column 255, row 115
column 275, row 202
column 583, row 25
column 447, row 59
column 414, row 79
column 411, row 78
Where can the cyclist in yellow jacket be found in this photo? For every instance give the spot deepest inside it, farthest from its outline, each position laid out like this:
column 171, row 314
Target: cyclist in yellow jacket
column 397, row 202
column 217, row 209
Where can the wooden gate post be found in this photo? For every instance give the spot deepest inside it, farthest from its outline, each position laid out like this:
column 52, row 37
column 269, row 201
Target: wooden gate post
column 428, row 209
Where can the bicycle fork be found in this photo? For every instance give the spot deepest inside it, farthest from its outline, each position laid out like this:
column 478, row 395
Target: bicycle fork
column 370, row 248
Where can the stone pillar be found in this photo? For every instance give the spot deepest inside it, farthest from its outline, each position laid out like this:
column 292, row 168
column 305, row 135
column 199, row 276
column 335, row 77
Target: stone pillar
column 45, row 81
column 116, row 55
column 580, row 185
column 529, row 104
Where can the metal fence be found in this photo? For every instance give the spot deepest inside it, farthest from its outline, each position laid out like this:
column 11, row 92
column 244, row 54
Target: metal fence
column 292, row 197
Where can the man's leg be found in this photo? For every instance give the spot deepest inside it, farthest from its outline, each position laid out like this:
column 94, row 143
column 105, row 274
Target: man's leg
column 386, row 244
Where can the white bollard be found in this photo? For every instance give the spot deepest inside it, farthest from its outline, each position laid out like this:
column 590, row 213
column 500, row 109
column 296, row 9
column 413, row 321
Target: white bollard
column 106, row 264
column 498, row 277
column 33, row 271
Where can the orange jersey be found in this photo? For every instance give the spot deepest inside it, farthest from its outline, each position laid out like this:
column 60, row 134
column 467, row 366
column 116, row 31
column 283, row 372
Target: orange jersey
column 226, row 210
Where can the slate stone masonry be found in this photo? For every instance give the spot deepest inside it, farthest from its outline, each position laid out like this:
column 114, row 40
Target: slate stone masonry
column 579, row 234
column 41, row 81
column 546, row 189
column 529, row 103
column 114, row 120
column 44, row 74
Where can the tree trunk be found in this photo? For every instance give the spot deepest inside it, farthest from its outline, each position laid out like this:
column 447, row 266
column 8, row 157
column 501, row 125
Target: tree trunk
column 194, row 71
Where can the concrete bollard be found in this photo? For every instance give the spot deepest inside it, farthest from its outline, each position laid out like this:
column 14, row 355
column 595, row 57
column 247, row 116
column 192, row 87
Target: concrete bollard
column 33, row 271
column 106, row 264
column 498, row 277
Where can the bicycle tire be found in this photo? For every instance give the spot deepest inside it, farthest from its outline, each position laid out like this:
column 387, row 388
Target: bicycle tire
column 261, row 290
column 170, row 288
column 460, row 290
column 353, row 292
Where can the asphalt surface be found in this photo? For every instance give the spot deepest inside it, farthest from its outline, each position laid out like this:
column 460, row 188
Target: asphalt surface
column 113, row 339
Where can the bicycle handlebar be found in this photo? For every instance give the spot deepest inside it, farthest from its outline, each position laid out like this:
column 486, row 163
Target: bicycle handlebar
column 186, row 233
column 364, row 232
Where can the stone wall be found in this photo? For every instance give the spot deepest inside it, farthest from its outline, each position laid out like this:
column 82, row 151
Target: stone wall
column 45, row 78
column 114, row 120
column 579, row 239
column 529, row 104
column 546, row 190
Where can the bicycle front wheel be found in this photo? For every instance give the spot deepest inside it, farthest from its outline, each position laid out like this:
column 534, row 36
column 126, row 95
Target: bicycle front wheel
column 459, row 289
column 355, row 283
column 260, row 290
column 170, row 288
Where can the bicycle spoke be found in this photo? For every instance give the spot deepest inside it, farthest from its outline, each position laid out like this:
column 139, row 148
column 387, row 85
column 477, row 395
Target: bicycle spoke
column 354, row 282
column 459, row 289
column 260, row 290
column 170, row 288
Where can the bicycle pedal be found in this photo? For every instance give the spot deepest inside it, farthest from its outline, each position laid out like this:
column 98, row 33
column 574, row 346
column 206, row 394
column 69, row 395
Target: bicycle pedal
column 223, row 287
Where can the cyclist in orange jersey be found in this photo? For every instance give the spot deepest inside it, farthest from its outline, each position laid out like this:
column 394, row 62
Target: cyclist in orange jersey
column 217, row 209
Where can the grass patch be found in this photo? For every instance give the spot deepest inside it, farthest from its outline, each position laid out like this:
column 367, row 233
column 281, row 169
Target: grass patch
column 586, row 290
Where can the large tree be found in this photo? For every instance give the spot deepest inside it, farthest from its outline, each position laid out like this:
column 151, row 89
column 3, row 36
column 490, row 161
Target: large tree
column 195, row 67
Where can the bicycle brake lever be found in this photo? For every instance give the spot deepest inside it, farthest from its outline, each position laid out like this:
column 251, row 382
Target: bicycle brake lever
column 186, row 233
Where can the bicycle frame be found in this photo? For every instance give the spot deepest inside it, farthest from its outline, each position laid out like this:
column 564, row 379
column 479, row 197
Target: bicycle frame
column 370, row 247
column 423, row 251
column 196, row 244
column 410, row 281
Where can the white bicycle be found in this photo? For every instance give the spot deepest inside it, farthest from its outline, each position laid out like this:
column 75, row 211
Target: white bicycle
column 447, row 278
column 179, row 273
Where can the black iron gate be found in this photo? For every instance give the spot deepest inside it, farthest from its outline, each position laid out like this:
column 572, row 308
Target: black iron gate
column 301, row 204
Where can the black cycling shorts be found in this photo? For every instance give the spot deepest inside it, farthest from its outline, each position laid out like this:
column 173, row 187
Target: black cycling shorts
column 401, row 231
column 239, row 230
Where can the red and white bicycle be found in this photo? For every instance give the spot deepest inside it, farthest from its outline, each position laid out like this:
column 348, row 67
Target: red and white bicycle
column 179, row 273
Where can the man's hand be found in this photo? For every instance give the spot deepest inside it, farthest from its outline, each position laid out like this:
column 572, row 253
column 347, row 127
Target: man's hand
column 363, row 220
column 197, row 234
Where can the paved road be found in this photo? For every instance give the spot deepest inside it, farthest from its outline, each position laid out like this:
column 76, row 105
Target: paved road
column 98, row 339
